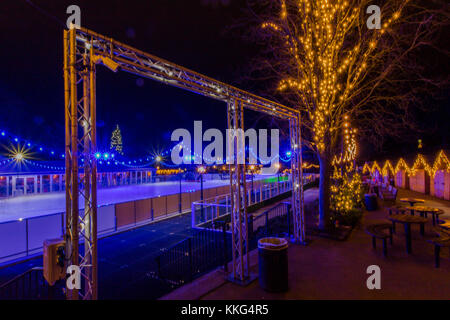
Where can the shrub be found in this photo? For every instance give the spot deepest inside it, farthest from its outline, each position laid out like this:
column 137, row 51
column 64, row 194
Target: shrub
column 349, row 218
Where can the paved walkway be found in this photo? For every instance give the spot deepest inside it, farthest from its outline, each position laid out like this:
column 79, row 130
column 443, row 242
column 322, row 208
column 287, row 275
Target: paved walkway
column 329, row 269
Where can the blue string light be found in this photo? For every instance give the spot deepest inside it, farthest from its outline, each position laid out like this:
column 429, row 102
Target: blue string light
column 133, row 163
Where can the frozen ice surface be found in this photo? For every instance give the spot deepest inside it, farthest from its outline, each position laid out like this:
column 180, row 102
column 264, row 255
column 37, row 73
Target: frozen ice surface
column 43, row 204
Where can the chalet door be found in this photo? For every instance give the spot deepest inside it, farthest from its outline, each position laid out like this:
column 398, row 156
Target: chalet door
column 399, row 176
column 439, row 184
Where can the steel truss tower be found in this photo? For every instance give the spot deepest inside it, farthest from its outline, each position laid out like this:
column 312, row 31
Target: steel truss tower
column 83, row 50
column 297, row 180
column 81, row 165
column 238, row 191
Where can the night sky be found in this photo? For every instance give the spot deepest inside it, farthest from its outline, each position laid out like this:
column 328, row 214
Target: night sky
column 193, row 33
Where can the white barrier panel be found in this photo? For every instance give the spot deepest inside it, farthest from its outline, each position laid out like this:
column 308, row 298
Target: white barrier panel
column 106, row 219
column 43, row 228
column 13, row 237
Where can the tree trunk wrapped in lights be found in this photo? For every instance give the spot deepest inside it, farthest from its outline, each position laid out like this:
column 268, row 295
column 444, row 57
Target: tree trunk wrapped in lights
column 327, row 62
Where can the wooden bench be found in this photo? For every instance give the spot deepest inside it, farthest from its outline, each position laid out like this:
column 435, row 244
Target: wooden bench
column 436, row 216
column 441, row 241
column 377, row 231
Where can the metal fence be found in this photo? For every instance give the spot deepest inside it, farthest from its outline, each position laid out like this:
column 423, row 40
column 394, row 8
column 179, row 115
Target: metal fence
column 210, row 248
column 192, row 257
column 207, row 212
column 31, row 285
column 274, row 222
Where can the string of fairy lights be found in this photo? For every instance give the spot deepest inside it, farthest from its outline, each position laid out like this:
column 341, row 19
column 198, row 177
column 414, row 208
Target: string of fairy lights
column 347, row 184
column 441, row 162
column 25, row 151
column 349, row 145
column 329, row 71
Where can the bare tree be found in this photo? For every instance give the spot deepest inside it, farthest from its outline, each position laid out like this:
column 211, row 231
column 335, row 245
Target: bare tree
column 325, row 61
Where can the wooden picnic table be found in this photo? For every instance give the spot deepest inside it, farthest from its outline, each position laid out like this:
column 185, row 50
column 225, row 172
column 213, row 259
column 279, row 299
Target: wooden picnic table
column 407, row 220
column 412, row 201
column 424, row 211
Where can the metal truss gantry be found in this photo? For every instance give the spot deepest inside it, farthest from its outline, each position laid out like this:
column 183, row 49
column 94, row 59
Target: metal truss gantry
column 297, row 180
column 83, row 50
column 81, row 165
column 238, row 192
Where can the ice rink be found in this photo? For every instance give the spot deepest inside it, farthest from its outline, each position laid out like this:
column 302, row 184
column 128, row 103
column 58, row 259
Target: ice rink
column 42, row 204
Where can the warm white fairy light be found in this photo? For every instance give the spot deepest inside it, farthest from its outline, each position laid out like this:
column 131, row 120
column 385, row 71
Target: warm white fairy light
column 328, row 72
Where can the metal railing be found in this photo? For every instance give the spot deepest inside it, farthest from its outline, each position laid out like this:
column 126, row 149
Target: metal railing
column 194, row 256
column 276, row 221
column 30, row 285
column 208, row 249
column 207, row 212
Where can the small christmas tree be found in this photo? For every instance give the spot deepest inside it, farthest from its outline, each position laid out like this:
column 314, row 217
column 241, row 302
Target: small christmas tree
column 116, row 140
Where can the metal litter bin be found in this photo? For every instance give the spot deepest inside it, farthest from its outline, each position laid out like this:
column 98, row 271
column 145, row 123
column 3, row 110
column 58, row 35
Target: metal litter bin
column 370, row 200
column 273, row 264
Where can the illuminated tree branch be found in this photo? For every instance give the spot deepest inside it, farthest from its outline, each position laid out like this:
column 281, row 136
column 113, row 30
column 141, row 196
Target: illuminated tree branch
column 328, row 64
